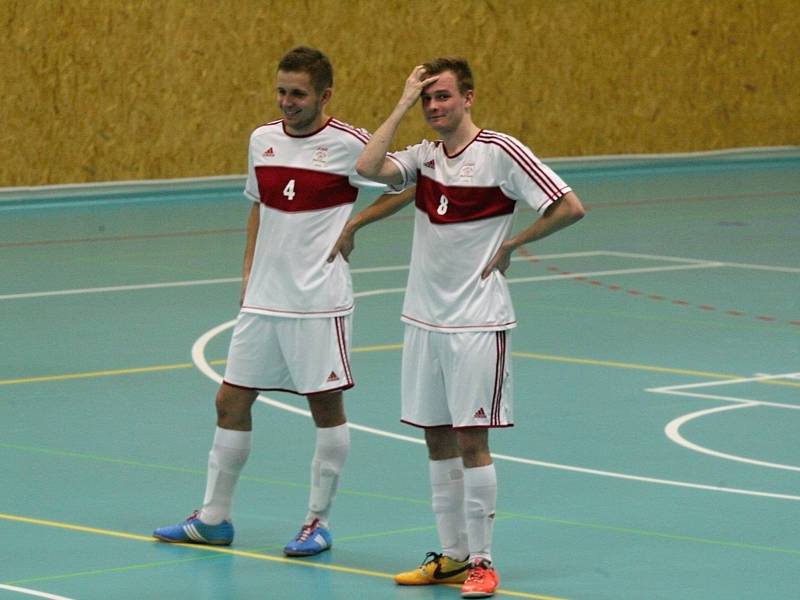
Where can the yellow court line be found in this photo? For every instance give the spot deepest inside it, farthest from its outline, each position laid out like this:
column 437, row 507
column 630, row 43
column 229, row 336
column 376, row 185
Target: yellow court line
column 385, row 347
column 640, row 367
column 108, row 373
column 233, row 552
column 624, row 365
column 379, row 348
column 94, row 374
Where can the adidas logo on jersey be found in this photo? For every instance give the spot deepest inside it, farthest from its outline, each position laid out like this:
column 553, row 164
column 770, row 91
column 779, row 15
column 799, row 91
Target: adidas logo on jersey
column 430, row 164
column 333, row 377
column 479, row 414
column 269, row 152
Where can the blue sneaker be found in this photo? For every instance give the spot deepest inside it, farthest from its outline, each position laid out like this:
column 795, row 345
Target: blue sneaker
column 312, row 539
column 194, row 531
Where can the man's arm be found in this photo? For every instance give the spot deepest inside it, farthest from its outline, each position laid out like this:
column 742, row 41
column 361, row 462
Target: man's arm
column 386, row 205
column 373, row 163
column 563, row 212
column 253, row 220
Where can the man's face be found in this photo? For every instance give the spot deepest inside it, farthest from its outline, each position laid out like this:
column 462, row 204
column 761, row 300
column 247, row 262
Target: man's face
column 443, row 105
column 299, row 102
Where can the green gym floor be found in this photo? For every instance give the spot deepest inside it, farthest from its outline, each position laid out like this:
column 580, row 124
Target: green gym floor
column 657, row 388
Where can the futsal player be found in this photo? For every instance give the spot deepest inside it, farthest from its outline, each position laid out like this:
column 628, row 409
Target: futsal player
column 293, row 330
column 456, row 368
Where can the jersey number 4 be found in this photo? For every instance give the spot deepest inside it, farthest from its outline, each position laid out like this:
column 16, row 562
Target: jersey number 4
column 288, row 191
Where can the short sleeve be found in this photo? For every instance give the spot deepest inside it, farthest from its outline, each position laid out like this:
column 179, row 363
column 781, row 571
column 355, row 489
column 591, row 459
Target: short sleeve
column 367, row 188
column 528, row 179
column 408, row 162
column 251, row 184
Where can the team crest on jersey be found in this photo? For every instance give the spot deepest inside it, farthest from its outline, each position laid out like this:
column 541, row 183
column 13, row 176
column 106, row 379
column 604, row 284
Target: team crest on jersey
column 269, row 152
column 466, row 173
column 430, row 164
column 320, row 157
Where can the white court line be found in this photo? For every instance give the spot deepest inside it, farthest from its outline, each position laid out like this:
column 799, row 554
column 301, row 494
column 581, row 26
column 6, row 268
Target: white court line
column 173, row 284
column 672, row 429
column 35, row 593
column 655, row 257
column 198, row 357
column 726, row 399
column 513, row 259
column 695, row 260
column 119, row 288
column 738, row 380
column 566, row 276
column 688, row 263
column 710, row 265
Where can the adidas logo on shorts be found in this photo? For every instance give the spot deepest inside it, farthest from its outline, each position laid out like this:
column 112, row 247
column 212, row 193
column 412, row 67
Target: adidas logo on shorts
column 333, row 377
column 479, row 414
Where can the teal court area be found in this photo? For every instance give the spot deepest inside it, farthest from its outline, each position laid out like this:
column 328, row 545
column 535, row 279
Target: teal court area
column 657, row 397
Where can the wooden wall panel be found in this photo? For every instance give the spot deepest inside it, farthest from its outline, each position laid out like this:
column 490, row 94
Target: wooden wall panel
column 99, row 90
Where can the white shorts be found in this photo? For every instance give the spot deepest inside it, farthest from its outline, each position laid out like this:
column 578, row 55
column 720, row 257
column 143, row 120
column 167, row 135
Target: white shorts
column 458, row 379
column 301, row 356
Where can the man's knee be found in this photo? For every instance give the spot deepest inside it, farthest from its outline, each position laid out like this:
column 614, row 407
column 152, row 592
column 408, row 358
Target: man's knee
column 327, row 409
column 442, row 443
column 233, row 407
column 474, row 447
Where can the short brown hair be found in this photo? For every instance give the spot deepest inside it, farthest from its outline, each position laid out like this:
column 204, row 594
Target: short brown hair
column 312, row 61
column 459, row 67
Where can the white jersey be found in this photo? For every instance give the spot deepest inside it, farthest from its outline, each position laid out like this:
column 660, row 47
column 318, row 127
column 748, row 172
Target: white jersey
column 465, row 206
column 306, row 187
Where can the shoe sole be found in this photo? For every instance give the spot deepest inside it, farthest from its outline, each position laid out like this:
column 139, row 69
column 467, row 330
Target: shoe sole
column 170, row 541
column 432, row 582
column 296, row 553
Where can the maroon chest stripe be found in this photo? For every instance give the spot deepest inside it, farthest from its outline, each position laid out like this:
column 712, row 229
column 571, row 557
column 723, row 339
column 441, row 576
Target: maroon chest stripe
column 291, row 189
column 463, row 203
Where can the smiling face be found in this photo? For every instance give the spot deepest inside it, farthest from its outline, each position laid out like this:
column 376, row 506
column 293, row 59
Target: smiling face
column 443, row 104
column 300, row 103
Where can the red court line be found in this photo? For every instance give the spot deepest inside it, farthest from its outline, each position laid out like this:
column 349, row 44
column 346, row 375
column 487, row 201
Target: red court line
column 656, row 297
column 695, row 199
column 669, row 200
column 123, row 238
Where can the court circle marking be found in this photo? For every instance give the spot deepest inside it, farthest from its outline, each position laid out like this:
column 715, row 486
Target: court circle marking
column 200, row 361
column 35, row 593
column 672, row 431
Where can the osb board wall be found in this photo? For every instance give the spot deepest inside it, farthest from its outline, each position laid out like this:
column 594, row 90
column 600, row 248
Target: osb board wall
column 100, row 90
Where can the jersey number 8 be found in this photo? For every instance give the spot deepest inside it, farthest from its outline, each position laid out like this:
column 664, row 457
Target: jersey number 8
column 442, row 205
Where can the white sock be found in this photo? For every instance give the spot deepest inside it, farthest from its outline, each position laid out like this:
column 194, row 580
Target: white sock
column 480, row 501
column 447, row 485
column 228, row 455
column 330, row 454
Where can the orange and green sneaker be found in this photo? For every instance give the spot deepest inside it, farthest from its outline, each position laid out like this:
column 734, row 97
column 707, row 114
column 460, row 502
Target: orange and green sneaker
column 436, row 568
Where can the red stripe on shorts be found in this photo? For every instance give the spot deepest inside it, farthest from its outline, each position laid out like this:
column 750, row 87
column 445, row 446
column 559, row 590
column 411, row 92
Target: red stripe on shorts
column 500, row 364
column 343, row 348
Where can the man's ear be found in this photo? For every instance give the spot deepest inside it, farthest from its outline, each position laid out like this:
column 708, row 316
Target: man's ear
column 326, row 96
column 469, row 98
